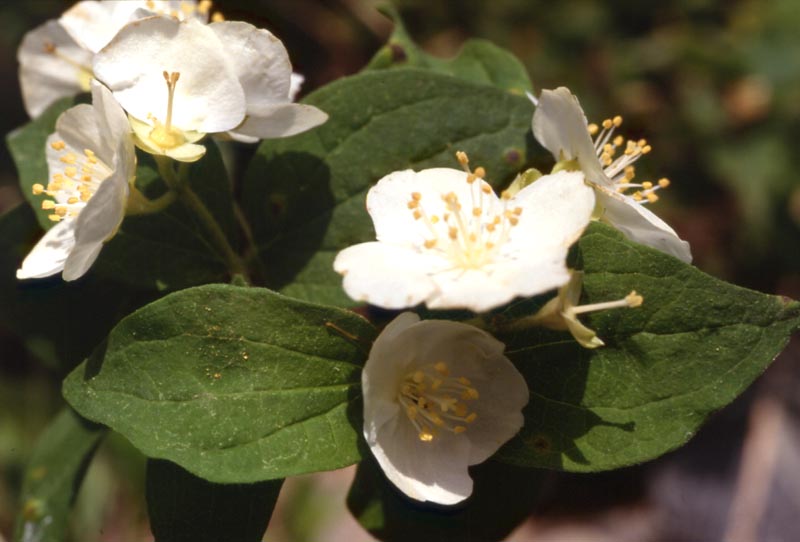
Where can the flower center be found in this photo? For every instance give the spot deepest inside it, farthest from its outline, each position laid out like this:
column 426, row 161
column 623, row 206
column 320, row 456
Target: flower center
column 470, row 236
column 85, row 73
column 73, row 186
column 436, row 401
column 620, row 168
column 164, row 135
column 187, row 9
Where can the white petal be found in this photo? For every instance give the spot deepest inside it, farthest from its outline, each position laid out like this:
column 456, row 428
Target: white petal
column 96, row 223
column 111, row 118
column 559, row 124
column 208, row 96
column 639, row 224
column 556, row 210
column 388, row 276
column 259, row 60
column 46, row 77
column 281, row 120
column 494, row 285
column 425, row 471
column 48, row 256
column 295, row 85
column 93, row 24
column 387, row 202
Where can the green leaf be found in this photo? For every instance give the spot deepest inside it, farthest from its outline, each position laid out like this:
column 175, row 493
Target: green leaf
column 27, row 147
column 236, row 385
column 53, row 477
column 479, row 61
column 60, row 322
column 184, row 507
column 305, row 195
column 503, row 497
column 693, row 346
column 170, row 250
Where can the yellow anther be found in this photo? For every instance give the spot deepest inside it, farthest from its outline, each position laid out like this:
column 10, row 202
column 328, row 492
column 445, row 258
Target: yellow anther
column 417, row 214
column 490, row 228
column 47, row 205
column 413, row 204
column 517, row 211
column 471, row 418
column 204, row 7
column 618, row 141
column 470, row 393
column 418, row 377
column 646, row 149
column 434, row 219
column 471, row 178
column 452, row 233
column 462, row 158
column 54, row 218
column 71, row 172
column 58, row 145
column 506, row 195
column 480, row 172
column 593, row 129
column 617, row 121
column 607, row 124
column 437, row 420
column 73, row 200
column 85, row 196
column 476, row 211
column 69, row 158
column 430, row 243
column 412, row 411
column 663, row 182
column 652, row 197
column 460, row 409
column 642, row 142
column 416, row 196
column 473, row 237
column 150, row 4
column 486, row 189
column 459, row 429
column 489, row 245
column 187, row 8
column 463, row 380
column 60, row 211
column 38, row 189
column 647, row 185
column 513, row 220
column 425, row 435
column 634, row 300
column 637, row 196
column 441, row 368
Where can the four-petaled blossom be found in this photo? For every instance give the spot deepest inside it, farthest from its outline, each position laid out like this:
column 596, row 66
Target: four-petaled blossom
column 181, row 80
column 445, row 238
column 92, row 162
column 56, row 58
column 560, row 125
column 439, row 396
column 561, row 312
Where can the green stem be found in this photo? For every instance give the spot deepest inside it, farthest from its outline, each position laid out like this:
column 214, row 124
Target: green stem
column 178, row 184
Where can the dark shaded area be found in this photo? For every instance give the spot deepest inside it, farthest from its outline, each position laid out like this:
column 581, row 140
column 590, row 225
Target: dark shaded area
column 185, row 507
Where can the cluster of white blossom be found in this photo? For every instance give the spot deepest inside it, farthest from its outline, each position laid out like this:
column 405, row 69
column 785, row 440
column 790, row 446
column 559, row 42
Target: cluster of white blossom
column 439, row 396
column 161, row 78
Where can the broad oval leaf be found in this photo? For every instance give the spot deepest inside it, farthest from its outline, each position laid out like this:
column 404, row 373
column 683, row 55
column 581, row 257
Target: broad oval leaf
column 693, row 346
column 236, row 385
column 305, row 195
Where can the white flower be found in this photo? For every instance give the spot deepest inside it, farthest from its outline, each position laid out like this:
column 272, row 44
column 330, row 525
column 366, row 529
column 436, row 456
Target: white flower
column 560, row 125
column 56, row 58
column 180, row 80
column 445, row 238
column 561, row 312
column 91, row 161
column 439, row 396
